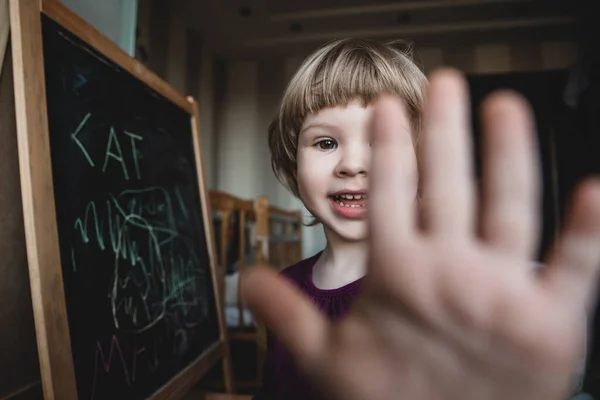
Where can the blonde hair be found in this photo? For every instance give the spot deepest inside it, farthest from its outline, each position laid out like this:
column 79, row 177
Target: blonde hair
column 337, row 73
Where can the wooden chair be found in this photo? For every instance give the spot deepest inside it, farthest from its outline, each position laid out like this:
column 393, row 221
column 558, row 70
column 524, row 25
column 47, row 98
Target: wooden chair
column 285, row 237
column 244, row 240
column 278, row 244
column 238, row 248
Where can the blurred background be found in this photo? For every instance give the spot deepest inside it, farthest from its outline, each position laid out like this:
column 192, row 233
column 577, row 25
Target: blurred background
column 236, row 56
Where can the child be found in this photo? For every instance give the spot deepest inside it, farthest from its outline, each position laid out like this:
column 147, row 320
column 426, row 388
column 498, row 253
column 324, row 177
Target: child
column 448, row 309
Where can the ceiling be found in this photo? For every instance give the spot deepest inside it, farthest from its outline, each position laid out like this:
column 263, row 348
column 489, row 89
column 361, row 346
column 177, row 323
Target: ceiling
column 261, row 28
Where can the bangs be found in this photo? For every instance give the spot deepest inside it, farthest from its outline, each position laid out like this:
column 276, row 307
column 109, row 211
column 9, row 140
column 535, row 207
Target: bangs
column 351, row 74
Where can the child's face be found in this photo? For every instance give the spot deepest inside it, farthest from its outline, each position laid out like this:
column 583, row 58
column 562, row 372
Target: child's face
column 334, row 156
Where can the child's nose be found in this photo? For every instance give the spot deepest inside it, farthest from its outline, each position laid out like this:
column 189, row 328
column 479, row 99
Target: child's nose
column 352, row 164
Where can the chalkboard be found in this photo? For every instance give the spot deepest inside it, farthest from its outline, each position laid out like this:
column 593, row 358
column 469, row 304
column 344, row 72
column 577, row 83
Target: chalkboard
column 132, row 237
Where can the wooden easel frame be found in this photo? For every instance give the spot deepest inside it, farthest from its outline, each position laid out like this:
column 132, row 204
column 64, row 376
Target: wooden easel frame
column 48, row 297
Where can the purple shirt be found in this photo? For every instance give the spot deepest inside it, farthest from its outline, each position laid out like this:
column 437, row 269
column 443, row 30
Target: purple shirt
column 281, row 378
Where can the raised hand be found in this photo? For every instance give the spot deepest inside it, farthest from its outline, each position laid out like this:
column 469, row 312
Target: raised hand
column 450, row 308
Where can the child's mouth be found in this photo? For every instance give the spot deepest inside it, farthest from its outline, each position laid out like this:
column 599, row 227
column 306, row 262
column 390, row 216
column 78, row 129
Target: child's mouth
column 349, row 205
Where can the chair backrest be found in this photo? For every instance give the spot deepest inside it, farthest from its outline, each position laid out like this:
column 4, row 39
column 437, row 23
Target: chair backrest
column 279, row 241
column 285, row 237
column 251, row 233
column 232, row 221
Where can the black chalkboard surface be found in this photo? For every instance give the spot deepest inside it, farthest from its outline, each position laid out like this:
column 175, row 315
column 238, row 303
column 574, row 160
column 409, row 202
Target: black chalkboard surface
column 135, row 262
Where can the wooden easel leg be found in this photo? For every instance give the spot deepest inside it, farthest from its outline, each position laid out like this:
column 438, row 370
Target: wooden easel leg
column 228, row 371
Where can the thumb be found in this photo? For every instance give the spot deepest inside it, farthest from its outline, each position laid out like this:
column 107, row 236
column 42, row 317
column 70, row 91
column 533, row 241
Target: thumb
column 288, row 313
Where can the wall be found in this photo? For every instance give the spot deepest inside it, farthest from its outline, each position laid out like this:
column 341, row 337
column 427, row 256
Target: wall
column 179, row 56
column 501, row 57
column 114, row 18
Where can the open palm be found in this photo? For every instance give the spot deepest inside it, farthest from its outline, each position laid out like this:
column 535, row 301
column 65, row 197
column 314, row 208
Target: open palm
column 451, row 308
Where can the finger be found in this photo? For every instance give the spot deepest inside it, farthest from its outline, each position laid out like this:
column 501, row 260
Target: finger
column 291, row 316
column 574, row 261
column 393, row 173
column 448, row 189
column 511, row 178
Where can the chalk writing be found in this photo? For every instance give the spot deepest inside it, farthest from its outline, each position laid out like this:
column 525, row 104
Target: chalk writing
column 105, row 359
column 155, row 272
column 155, row 269
column 111, row 357
column 113, row 148
column 78, row 142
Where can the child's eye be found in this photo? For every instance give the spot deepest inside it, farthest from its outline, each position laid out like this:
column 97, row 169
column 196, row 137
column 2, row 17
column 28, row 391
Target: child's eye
column 326, row 144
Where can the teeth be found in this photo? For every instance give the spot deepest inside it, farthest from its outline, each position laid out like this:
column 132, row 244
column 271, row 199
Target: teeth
column 338, row 199
column 349, row 205
column 352, row 196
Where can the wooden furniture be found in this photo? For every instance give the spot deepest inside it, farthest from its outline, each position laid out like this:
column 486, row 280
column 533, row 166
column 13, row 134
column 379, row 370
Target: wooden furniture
column 235, row 221
column 19, row 366
column 251, row 233
column 285, row 237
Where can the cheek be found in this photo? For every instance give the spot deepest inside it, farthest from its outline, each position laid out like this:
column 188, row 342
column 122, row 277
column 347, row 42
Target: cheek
column 312, row 177
column 308, row 180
